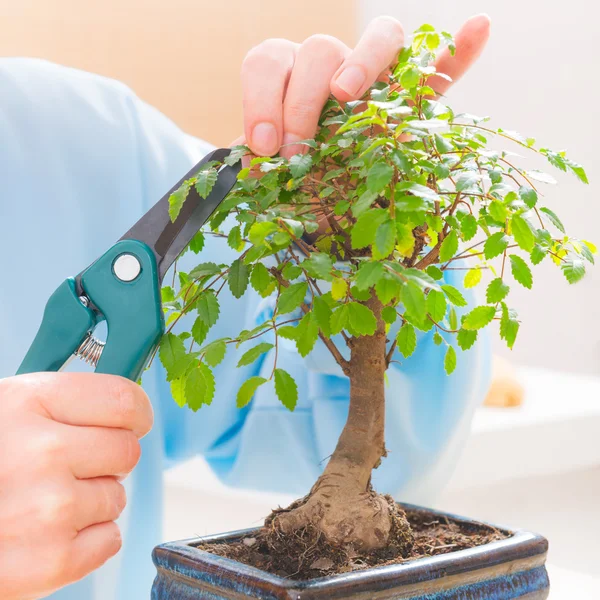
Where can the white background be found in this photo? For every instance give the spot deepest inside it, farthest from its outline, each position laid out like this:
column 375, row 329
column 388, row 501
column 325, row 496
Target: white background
column 538, row 76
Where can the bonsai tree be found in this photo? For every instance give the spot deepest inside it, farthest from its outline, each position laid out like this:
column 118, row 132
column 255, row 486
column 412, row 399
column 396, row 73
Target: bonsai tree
column 353, row 238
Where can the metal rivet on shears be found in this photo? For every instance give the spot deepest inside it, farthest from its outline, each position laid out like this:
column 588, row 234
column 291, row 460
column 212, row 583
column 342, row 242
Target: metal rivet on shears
column 127, row 267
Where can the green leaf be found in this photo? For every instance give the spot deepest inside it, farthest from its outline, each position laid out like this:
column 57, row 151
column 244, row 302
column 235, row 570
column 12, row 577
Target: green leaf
column 387, row 288
column 307, row 333
column 363, row 204
column 178, row 391
column 379, row 176
column 472, row 278
column 339, row 319
column 522, row 233
column 385, row 240
column 262, row 281
column 286, row 389
column 454, row 295
column 498, row 211
column 434, row 272
column 176, row 200
column 552, row 217
column 521, row 271
column 509, row 327
column 322, row 313
column 497, row 290
column 465, row 338
column 361, row 319
column 234, row 239
column 204, row 270
column 339, row 288
column 197, row 243
column 495, row 245
column 528, row 195
column 438, row 340
column 364, row 231
column 214, row 353
column 413, row 299
column 450, row 360
column 251, row 355
column 573, row 269
column 300, row 165
column 291, row 271
column 479, row 317
column 388, row 314
column 410, row 78
column 173, row 356
column 292, row 297
column 205, row 181
column 442, row 144
column 260, row 231
column 199, row 387
column 452, row 319
column 248, row 389
column 449, row 246
column 368, row 275
column 238, row 278
column 436, row 305
column 319, row 265
column 468, row 227
column 467, row 181
column 208, row 308
column 407, row 340
column 199, row 331
column 537, row 254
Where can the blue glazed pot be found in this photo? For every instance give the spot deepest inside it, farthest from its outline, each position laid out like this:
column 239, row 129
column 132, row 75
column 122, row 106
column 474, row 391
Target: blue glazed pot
column 502, row 570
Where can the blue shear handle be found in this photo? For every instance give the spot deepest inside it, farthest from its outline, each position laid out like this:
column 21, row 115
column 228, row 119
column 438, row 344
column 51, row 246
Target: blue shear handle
column 64, row 326
column 132, row 309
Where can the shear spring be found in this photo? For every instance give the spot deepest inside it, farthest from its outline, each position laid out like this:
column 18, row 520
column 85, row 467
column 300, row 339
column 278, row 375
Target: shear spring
column 90, row 350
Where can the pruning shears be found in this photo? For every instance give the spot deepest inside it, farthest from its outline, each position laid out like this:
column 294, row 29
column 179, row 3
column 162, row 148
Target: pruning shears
column 123, row 288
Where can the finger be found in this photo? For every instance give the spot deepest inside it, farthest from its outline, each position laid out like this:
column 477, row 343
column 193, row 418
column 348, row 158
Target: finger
column 265, row 74
column 317, row 59
column 470, row 42
column 100, row 451
column 90, row 399
column 92, row 547
column 376, row 50
column 98, row 500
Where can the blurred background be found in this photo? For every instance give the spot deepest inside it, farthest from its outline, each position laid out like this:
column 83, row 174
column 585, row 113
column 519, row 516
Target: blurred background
column 536, row 466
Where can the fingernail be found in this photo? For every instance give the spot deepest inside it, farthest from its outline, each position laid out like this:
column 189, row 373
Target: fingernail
column 292, row 148
column 351, row 79
column 264, row 139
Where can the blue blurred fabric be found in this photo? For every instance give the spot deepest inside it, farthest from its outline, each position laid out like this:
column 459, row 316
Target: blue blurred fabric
column 81, row 158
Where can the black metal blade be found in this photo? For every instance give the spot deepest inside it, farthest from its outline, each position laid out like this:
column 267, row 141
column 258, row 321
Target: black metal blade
column 168, row 239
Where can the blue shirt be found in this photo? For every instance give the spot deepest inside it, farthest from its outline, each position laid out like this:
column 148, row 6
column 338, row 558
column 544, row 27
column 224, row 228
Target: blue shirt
column 81, row 159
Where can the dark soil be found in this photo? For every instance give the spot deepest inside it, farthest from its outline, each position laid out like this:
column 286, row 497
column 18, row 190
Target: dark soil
column 306, row 555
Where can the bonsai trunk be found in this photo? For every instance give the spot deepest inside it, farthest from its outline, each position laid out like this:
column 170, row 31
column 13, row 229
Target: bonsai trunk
column 342, row 504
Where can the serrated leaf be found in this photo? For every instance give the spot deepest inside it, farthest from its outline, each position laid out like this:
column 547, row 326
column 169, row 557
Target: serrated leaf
column 178, row 391
column 450, row 360
column 260, row 231
column 234, row 239
column 292, row 297
column 238, row 278
column 496, row 291
column 498, row 211
column 199, row 387
column 537, row 255
column 410, row 77
column 438, row 340
column 173, row 356
column 214, row 353
column 208, row 308
column 379, row 176
column 319, row 265
column 204, row 270
column 253, row 353
column 436, row 305
column 442, row 144
column 364, row 230
column 199, row 331
column 509, row 327
column 387, row 288
column 407, row 340
column 262, row 281
column 339, row 288
column 454, row 295
column 339, row 319
column 465, row 338
column 176, row 200
column 467, row 180
column 479, row 317
column 389, row 315
column 468, row 227
column 528, row 195
column 413, row 299
column 553, row 218
column 472, row 278
column 368, row 275
column 361, row 319
column 205, row 181
column 522, row 232
column 495, row 245
column 307, row 333
column 573, row 269
column 385, row 240
column 248, row 389
column 322, row 313
column 286, row 389
column 363, row 204
column 449, row 246
column 434, row 272
column 300, row 165
column 521, row 271
column 197, row 243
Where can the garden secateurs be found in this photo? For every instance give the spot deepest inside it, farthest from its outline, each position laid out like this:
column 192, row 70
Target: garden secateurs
column 123, row 288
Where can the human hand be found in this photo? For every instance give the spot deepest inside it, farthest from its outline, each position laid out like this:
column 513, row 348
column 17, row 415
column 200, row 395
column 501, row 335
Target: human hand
column 65, row 440
column 285, row 84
